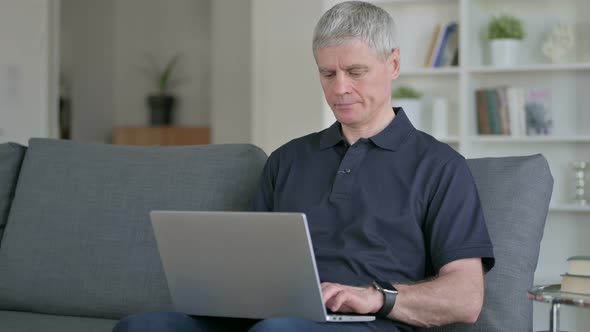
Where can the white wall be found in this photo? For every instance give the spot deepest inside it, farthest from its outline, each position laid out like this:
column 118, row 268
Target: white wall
column 231, row 58
column 287, row 96
column 88, row 66
column 266, row 88
column 104, row 46
column 162, row 28
column 27, row 97
column 263, row 86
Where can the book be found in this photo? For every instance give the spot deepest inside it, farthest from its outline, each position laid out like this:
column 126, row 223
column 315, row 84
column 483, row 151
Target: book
column 515, row 96
column 539, row 120
column 433, row 43
column 444, row 44
column 439, row 38
column 492, row 103
column 455, row 60
column 450, row 46
column 572, row 283
column 483, row 123
column 449, row 33
column 516, row 111
column 503, row 110
column 577, row 279
column 579, row 265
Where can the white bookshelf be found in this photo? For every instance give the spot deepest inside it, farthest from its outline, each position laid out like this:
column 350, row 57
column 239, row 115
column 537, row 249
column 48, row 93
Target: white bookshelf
column 569, row 208
column 568, row 225
column 530, row 68
column 529, row 139
column 448, row 71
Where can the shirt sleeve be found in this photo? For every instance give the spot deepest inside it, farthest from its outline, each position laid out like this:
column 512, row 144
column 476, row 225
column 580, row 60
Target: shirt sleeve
column 264, row 195
column 455, row 226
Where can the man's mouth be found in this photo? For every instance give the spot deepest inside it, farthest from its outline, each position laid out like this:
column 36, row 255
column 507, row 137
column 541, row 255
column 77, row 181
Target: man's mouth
column 344, row 105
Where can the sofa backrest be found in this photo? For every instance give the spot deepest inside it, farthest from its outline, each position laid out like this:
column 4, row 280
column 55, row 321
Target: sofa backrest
column 11, row 156
column 79, row 241
column 515, row 194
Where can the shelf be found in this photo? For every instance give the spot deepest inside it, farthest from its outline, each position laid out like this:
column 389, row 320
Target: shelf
column 442, row 71
column 387, row 2
column 569, row 208
column 530, row 68
column 529, row 139
column 449, row 140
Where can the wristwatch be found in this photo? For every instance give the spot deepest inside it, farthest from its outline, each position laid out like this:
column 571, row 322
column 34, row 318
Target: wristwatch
column 389, row 295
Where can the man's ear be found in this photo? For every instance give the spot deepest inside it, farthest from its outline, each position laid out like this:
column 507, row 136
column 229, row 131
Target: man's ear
column 394, row 63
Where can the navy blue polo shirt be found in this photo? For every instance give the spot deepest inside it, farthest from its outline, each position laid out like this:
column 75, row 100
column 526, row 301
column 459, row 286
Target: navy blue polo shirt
column 394, row 207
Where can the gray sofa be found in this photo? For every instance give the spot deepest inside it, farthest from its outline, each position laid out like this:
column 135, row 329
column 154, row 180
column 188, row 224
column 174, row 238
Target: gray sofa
column 77, row 252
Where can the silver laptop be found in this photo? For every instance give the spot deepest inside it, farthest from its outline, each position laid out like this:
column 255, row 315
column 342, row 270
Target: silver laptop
column 241, row 264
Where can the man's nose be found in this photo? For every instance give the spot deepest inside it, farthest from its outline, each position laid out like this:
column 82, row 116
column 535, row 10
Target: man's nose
column 341, row 85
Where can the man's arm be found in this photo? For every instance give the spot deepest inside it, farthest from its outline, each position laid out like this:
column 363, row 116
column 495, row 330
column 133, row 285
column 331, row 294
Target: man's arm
column 455, row 295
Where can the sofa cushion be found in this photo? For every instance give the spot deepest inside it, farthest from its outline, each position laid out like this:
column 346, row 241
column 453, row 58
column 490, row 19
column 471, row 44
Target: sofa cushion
column 29, row 322
column 79, row 241
column 515, row 194
column 11, row 156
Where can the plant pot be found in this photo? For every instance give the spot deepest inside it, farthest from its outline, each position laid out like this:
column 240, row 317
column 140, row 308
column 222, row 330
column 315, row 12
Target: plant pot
column 413, row 110
column 504, row 52
column 161, row 109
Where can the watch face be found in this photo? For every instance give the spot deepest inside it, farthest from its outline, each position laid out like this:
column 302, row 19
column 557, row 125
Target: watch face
column 386, row 286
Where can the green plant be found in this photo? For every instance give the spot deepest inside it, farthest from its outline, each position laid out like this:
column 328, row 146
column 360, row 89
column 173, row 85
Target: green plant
column 405, row 92
column 505, row 26
column 162, row 76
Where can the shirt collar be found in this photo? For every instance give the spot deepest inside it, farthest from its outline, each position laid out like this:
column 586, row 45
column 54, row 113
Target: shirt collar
column 331, row 136
column 390, row 138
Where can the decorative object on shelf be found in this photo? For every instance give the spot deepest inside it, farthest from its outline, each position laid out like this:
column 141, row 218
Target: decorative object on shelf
column 162, row 102
column 579, row 168
column 410, row 100
column 539, row 120
column 505, row 33
column 65, row 109
column 440, row 117
column 559, row 43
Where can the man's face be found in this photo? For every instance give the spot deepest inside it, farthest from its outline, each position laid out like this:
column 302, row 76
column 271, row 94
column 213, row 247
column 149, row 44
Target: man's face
column 356, row 82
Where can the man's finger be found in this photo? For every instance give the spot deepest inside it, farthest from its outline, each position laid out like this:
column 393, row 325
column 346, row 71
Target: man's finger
column 328, row 291
column 336, row 300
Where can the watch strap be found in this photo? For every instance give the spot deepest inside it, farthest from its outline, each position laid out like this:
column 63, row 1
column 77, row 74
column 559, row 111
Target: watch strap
column 389, row 296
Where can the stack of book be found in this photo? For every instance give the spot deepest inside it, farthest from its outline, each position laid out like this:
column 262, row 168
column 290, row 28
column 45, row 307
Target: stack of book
column 515, row 111
column 577, row 279
column 444, row 46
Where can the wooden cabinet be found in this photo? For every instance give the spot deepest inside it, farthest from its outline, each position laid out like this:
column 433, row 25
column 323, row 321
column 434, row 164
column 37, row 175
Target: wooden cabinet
column 161, row 135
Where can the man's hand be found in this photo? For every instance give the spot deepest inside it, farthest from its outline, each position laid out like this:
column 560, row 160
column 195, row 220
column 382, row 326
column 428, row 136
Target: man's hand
column 350, row 299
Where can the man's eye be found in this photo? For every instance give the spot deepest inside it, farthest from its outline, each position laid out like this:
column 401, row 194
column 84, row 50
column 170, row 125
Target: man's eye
column 356, row 73
column 328, row 75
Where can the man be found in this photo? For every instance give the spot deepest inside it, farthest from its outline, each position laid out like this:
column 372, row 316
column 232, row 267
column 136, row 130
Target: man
column 389, row 207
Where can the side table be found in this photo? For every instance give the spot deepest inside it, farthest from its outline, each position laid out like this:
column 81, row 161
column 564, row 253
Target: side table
column 161, row 135
column 553, row 294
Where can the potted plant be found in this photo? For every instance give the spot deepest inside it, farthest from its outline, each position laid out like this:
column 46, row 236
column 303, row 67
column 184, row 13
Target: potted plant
column 505, row 33
column 410, row 100
column 161, row 102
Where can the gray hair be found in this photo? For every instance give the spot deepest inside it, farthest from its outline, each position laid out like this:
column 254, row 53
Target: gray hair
column 356, row 20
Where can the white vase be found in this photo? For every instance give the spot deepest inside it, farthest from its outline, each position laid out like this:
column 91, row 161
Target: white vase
column 413, row 110
column 504, row 52
column 440, row 117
